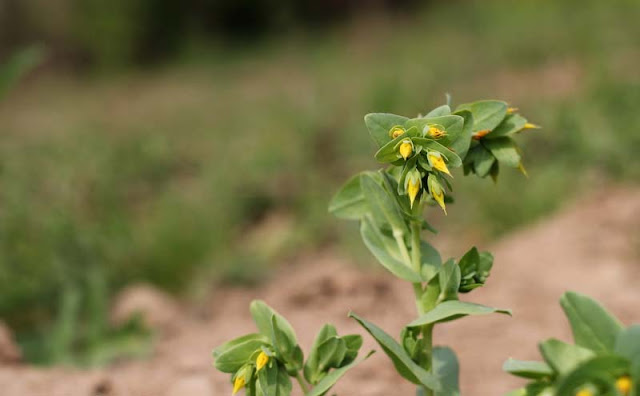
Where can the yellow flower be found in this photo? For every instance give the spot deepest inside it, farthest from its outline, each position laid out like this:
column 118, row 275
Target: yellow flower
column 396, row 131
column 261, row 361
column 436, row 132
column 413, row 189
column 238, row 384
column 436, row 192
column 623, row 384
column 584, row 392
column 406, row 148
column 436, row 161
column 529, row 125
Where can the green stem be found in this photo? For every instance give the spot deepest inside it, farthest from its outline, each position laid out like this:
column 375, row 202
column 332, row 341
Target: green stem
column 416, row 262
column 303, row 385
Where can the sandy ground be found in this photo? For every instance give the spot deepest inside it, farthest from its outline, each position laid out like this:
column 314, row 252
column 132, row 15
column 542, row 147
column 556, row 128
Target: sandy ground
column 593, row 248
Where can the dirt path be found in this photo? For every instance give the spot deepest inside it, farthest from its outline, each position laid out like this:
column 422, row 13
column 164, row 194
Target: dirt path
column 593, row 248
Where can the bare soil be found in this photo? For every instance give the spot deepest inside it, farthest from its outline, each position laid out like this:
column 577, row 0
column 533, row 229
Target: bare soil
column 593, row 248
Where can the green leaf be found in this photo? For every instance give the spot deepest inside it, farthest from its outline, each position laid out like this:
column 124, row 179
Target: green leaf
column 232, row 355
column 406, row 367
column 353, row 343
column 628, row 343
column 450, row 310
column 483, row 161
column 461, row 144
column 382, row 203
column 592, row 326
column 511, row 124
column 331, row 353
column 505, row 151
column 330, row 379
column 487, row 114
column 528, row 369
column 349, row 202
column 311, row 372
column 285, row 343
column 439, row 111
column 449, row 281
column 469, row 262
column 273, row 380
column 385, row 250
column 379, row 125
column 431, row 261
column 563, row 357
column 445, row 367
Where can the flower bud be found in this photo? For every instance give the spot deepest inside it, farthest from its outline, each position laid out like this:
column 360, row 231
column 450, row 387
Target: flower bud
column 396, row 131
column 413, row 184
column 406, row 148
column 436, row 191
column 623, row 384
column 238, row 384
column 435, row 132
column 512, row 110
column 437, row 162
column 261, row 360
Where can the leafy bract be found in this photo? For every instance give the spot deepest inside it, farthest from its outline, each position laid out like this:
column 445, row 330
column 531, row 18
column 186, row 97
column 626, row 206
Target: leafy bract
column 563, row 357
column 592, row 326
column 528, row 369
column 385, row 249
column 511, row 124
column 450, row 310
column 379, row 125
column 406, row 367
column 349, row 202
column 382, row 204
column 273, row 380
column 330, row 379
column 505, row 150
column 445, row 368
column 232, row 355
column 487, row 114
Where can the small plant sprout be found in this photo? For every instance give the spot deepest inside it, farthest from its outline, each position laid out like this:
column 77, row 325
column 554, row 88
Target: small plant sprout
column 604, row 360
column 418, row 155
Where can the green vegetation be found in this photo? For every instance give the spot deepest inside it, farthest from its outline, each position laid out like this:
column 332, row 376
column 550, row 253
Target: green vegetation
column 217, row 166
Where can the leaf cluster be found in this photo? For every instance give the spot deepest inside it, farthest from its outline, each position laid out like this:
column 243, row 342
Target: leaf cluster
column 329, row 358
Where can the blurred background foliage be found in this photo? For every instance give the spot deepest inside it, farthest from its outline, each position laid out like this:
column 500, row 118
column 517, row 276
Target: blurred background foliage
column 185, row 143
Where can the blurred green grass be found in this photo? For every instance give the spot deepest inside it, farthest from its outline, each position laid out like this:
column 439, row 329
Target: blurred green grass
column 221, row 164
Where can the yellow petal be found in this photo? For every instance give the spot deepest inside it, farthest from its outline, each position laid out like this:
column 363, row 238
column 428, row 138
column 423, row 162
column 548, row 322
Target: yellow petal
column 437, row 162
column 238, row 384
column 522, row 169
column 623, row 384
column 584, row 392
column 512, row 110
column 406, row 149
column 261, row 361
column 439, row 199
column 436, row 132
column 413, row 190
